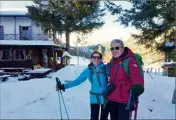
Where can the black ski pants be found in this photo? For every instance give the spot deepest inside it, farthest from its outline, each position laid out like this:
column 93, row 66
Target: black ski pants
column 95, row 109
column 118, row 111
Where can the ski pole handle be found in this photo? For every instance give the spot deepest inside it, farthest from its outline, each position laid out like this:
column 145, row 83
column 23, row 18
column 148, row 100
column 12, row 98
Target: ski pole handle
column 58, row 82
column 128, row 107
column 59, row 86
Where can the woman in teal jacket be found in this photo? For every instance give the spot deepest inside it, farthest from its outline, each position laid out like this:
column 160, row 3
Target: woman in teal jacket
column 97, row 75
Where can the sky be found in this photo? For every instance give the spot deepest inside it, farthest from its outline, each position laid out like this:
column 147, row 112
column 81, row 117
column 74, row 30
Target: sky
column 108, row 32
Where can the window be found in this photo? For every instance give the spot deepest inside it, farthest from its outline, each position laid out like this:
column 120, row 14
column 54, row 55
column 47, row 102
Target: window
column 6, row 54
column 1, row 33
column 25, row 28
column 19, row 54
column 25, row 32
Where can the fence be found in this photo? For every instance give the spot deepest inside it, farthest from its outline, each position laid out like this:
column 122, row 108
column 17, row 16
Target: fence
column 156, row 71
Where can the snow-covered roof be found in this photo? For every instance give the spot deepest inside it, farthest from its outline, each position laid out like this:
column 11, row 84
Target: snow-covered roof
column 10, row 13
column 27, row 42
column 168, row 64
column 66, row 54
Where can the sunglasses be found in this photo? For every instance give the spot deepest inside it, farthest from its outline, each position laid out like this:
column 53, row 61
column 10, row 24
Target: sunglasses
column 114, row 48
column 98, row 57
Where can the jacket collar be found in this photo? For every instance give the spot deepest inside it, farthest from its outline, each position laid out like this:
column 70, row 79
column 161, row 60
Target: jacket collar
column 99, row 66
column 127, row 53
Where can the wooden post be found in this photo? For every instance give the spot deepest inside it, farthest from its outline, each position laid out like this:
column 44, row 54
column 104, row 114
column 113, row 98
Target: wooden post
column 174, row 94
column 151, row 70
column 54, row 58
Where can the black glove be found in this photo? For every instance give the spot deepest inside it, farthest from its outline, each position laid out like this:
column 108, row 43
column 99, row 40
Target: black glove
column 59, row 85
column 110, row 87
column 137, row 89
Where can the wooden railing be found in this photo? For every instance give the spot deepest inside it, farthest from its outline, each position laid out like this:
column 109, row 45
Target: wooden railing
column 24, row 37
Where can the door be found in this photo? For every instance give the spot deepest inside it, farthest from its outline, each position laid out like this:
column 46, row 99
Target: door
column 25, row 32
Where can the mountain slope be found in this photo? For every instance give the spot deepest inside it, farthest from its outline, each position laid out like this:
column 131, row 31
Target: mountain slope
column 149, row 57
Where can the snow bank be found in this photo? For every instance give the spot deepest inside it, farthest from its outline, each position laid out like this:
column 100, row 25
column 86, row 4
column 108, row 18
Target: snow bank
column 66, row 54
column 82, row 61
column 68, row 73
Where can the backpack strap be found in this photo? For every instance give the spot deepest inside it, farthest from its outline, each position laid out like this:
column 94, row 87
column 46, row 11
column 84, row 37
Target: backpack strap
column 97, row 95
column 125, row 64
column 126, row 67
column 91, row 74
column 109, row 66
column 105, row 73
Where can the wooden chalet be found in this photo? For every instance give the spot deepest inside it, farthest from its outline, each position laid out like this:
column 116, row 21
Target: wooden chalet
column 24, row 45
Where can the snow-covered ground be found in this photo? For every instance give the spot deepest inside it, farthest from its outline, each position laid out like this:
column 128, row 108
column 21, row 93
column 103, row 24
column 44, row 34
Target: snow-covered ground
column 37, row 98
column 82, row 61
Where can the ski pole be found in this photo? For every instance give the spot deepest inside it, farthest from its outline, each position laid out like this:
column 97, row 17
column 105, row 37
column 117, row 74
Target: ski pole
column 132, row 105
column 136, row 107
column 128, row 107
column 135, row 112
column 64, row 104
column 59, row 99
column 130, row 115
column 59, row 83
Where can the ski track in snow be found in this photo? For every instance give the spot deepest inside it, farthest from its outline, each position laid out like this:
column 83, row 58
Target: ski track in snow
column 30, row 103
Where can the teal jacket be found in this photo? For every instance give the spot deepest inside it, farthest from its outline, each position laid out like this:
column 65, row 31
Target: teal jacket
column 98, row 79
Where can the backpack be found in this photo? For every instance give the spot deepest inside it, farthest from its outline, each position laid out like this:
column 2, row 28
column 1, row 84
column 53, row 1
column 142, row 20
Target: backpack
column 126, row 61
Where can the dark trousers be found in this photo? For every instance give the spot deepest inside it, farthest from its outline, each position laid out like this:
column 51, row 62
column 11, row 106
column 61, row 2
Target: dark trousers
column 95, row 108
column 118, row 111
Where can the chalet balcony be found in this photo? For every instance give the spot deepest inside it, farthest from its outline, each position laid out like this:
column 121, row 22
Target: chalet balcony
column 24, row 37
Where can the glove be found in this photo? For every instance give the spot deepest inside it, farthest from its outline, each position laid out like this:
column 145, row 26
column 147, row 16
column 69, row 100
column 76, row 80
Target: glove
column 137, row 89
column 110, row 87
column 60, row 87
